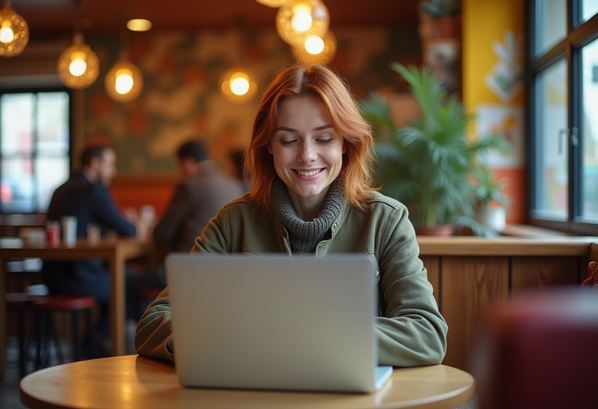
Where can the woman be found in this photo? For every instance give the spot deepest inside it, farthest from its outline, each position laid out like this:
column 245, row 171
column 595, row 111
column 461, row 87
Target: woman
column 310, row 159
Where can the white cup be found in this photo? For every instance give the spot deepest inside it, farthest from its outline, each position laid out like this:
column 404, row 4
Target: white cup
column 69, row 230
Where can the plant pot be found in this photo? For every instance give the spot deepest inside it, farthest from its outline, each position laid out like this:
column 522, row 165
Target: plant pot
column 494, row 217
column 442, row 230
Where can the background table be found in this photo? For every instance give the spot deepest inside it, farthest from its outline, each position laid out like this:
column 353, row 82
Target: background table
column 115, row 252
column 133, row 382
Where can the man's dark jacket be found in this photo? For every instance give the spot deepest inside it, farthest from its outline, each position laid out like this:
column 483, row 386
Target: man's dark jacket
column 89, row 203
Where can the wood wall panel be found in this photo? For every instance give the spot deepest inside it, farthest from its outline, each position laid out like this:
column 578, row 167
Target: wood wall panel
column 538, row 272
column 432, row 264
column 469, row 284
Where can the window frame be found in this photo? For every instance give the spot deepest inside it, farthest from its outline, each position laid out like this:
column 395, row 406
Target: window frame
column 569, row 48
column 35, row 152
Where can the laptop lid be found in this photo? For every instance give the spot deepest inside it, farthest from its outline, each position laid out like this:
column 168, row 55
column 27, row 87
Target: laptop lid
column 274, row 321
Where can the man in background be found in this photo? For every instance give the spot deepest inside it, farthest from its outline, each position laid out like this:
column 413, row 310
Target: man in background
column 202, row 190
column 86, row 197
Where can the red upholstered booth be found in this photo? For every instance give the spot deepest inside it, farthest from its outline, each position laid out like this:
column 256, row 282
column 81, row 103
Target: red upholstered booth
column 540, row 350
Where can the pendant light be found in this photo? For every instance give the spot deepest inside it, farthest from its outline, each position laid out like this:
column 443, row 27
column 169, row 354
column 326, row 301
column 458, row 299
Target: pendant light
column 298, row 19
column 124, row 81
column 238, row 85
column 14, row 32
column 78, row 66
column 316, row 50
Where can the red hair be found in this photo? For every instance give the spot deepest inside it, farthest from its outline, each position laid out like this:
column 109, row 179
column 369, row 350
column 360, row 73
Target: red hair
column 355, row 175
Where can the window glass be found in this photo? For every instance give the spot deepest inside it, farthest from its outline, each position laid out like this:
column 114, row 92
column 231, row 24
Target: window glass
column 34, row 149
column 53, row 126
column 51, row 172
column 17, row 185
column 551, row 181
column 588, row 9
column 550, row 23
column 17, row 123
column 589, row 126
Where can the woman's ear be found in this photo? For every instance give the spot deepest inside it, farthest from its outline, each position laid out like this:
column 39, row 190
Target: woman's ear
column 269, row 147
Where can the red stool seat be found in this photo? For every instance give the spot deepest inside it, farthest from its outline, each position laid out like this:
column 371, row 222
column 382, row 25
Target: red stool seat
column 151, row 292
column 64, row 302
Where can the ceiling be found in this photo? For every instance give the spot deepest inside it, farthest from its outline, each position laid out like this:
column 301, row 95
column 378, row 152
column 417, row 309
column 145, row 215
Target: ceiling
column 47, row 16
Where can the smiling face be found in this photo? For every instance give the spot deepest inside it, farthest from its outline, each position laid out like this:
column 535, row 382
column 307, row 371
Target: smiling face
column 307, row 152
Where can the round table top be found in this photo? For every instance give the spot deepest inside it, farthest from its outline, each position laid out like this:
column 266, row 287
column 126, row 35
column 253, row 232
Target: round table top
column 134, row 382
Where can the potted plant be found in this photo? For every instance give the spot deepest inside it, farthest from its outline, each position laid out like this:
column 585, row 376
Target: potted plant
column 429, row 164
column 491, row 201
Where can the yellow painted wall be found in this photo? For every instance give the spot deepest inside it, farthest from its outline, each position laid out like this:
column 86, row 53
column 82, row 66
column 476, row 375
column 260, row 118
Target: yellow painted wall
column 486, row 23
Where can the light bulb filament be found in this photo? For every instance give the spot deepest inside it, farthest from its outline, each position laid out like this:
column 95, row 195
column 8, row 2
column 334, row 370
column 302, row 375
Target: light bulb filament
column 302, row 19
column 314, row 44
column 239, row 84
column 7, row 35
column 78, row 65
column 123, row 84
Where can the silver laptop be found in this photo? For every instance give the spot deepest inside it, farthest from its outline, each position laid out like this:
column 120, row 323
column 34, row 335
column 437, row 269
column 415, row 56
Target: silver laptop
column 275, row 322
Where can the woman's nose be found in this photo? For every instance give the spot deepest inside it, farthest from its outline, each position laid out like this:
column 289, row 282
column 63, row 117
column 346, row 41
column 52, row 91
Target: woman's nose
column 308, row 152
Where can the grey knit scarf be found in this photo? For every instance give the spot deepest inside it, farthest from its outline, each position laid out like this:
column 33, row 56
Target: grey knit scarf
column 304, row 235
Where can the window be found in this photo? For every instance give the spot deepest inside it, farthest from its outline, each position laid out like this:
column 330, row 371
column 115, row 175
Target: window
column 34, row 148
column 563, row 115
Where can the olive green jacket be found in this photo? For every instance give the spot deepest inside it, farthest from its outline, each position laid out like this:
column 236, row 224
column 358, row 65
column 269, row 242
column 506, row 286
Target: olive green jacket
column 410, row 331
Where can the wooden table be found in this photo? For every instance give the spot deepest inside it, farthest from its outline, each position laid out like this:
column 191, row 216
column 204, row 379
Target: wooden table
column 115, row 252
column 139, row 383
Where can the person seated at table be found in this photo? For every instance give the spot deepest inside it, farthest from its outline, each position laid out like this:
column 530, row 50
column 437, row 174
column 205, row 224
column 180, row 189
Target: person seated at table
column 202, row 190
column 310, row 158
column 86, row 196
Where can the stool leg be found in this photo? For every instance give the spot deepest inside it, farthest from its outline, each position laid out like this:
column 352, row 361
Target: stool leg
column 75, row 329
column 56, row 340
column 21, row 335
column 39, row 334
column 89, row 333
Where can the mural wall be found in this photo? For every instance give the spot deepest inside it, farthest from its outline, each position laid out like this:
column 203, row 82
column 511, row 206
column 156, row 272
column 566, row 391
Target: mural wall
column 181, row 98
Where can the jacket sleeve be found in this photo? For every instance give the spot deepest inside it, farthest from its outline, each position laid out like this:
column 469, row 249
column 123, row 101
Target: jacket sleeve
column 412, row 331
column 169, row 225
column 107, row 213
column 153, row 337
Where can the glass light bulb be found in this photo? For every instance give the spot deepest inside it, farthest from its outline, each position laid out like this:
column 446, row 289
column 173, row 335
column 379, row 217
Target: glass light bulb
column 123, row 84
column 314, row 44
column 239, row 85
column 78, row 65
column 6, row 33
column 139, row 24
column 302, row 19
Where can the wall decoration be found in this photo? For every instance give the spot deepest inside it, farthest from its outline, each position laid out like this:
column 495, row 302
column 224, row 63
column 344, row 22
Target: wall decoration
column 506, row 78
column 508, row 122
column 182, row 96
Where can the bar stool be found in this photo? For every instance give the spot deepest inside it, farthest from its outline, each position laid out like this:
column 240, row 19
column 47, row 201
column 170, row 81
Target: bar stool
column 19, row 304
column 75, row 306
